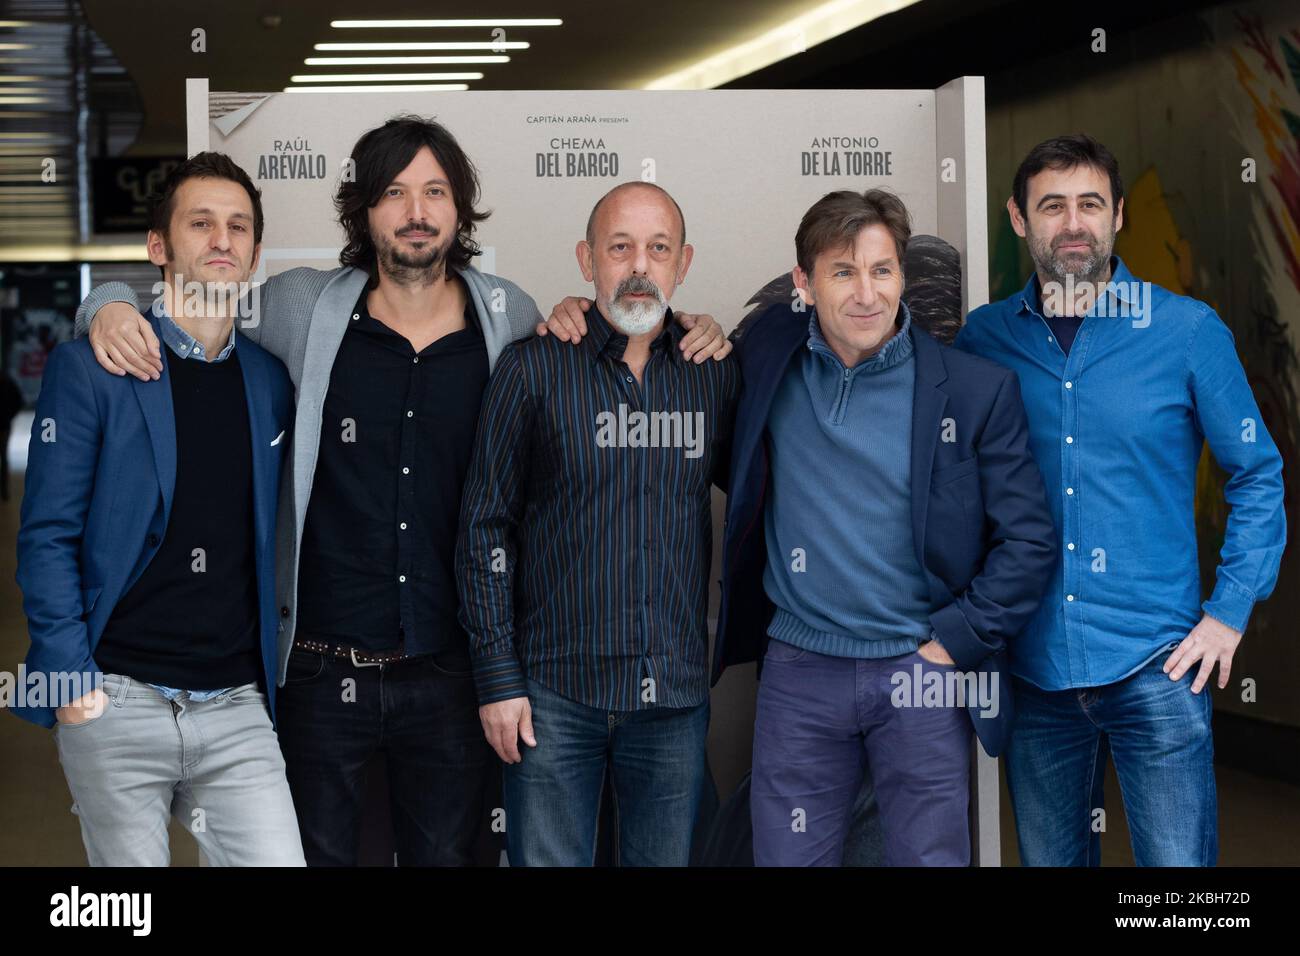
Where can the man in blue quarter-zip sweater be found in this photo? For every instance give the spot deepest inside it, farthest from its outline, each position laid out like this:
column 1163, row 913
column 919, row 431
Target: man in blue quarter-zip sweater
column 886, row 538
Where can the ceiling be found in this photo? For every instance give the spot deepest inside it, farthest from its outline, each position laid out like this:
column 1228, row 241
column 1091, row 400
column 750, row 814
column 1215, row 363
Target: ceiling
column 97, row 78
column 257, row 45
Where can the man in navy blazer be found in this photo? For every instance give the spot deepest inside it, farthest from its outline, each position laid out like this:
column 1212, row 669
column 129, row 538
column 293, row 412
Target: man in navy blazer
column 146, row 556
column 887, row 535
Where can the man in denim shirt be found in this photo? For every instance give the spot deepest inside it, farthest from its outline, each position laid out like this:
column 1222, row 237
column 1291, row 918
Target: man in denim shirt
column 1123, row 382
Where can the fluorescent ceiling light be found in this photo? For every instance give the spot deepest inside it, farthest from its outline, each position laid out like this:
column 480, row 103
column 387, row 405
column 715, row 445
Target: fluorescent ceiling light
column 796, row 36
column 430, row 45
column 379, row 77
column 74, row 253
column 16, row 23
column 396, row 60
column 21, row 100
column 400, row 88
column 21, row 79
column 402, row 24
column 15, row 46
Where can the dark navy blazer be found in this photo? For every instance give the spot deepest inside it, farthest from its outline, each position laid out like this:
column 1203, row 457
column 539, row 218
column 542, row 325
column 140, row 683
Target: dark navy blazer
column 980, row 521
column 98, row 498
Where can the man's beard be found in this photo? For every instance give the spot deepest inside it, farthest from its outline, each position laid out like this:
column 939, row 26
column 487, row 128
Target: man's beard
column 418, row 267
column 1083, row 267
column 636, row 317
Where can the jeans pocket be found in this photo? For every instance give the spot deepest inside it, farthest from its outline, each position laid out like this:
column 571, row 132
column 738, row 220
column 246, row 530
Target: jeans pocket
column 304, row 666
column 779, row 652
column 445, row 671
column 245, row 694
column 103, row 712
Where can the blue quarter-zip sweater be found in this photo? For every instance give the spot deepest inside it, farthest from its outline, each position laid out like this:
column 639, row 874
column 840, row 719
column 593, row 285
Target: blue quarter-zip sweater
column 841, row 563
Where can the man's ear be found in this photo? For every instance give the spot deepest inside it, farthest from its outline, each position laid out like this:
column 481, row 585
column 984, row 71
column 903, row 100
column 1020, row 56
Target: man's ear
column 252, row 267
column 157, row 248
column 583, row 252
column 1119, row 215
column 803, row 285
column 688, row 253
column 1017, row 220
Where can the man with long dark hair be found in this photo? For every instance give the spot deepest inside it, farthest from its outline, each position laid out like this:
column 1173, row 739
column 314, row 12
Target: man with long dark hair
column 390, row 355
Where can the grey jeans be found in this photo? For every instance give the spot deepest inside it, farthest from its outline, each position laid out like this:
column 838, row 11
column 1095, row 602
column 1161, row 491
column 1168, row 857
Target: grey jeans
column 215, row 765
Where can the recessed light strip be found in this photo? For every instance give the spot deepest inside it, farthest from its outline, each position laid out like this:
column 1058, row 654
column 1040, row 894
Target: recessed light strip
column 379, row 77
column 422, row 24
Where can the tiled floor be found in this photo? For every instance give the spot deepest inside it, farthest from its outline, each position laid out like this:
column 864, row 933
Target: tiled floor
column 1259, row 818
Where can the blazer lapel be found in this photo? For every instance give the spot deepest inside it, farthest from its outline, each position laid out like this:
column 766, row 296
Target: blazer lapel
column 929, row 403
column 259, row 409
column 764, row 377
column 160, row 419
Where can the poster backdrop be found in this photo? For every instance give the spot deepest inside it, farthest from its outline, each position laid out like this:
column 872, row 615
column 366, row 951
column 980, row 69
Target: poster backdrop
column 743, row 164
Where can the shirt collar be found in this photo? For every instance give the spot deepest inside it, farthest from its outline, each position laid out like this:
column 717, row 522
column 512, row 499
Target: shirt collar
column 1121, row 286
column 182, row 343
column 896, row 349
column 603, row 337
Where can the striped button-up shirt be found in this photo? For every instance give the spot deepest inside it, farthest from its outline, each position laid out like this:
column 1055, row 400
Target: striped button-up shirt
column 586, row 533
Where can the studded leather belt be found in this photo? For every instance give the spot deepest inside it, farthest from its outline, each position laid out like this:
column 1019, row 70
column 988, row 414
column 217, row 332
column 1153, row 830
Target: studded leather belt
column 343, row 652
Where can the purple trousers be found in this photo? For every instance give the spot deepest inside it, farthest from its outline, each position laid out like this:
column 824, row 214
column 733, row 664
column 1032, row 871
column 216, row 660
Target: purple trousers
column 821, row 720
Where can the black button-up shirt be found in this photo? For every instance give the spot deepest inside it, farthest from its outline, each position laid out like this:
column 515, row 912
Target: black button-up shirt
column 397, row 432
column 586, row 532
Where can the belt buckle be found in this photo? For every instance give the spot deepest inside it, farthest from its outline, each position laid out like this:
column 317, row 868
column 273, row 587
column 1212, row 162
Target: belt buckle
column 356, row 663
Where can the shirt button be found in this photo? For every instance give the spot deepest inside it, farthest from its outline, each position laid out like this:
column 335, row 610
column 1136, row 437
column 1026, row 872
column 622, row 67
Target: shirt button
column 406, row 471
column 1069, row 385
column 416, row 360
column 1050, row 339
column 401, row 578
column 629, row 379
column 403, row 527
column 1069, row 439
column 1070, row 545
column 355, row 316
column 197, row 349
column 1069, row 491
column 410, row 414
column 153, row 540
column 1069, row 597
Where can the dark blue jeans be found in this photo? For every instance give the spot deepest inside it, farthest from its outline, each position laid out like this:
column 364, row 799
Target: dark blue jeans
column 821, row 721
column 424, row 718
column 656, row 766
column 1159, row 734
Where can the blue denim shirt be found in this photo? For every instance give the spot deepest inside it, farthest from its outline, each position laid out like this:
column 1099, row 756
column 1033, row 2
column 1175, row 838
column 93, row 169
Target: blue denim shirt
column 1117, row 428
column 185, row 346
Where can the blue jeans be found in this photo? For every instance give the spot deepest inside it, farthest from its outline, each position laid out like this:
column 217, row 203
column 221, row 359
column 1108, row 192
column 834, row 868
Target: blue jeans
column 1159, row 734
column 656, row 763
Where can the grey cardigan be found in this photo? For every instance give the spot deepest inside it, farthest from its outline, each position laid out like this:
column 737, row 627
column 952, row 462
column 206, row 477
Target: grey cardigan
column 306, row 312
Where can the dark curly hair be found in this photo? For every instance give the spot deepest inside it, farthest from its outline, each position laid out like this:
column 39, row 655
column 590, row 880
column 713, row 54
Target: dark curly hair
column 378, row 156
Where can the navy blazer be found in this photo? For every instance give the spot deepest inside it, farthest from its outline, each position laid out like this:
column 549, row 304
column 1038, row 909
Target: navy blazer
column 101, row 472
column 980, row 522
